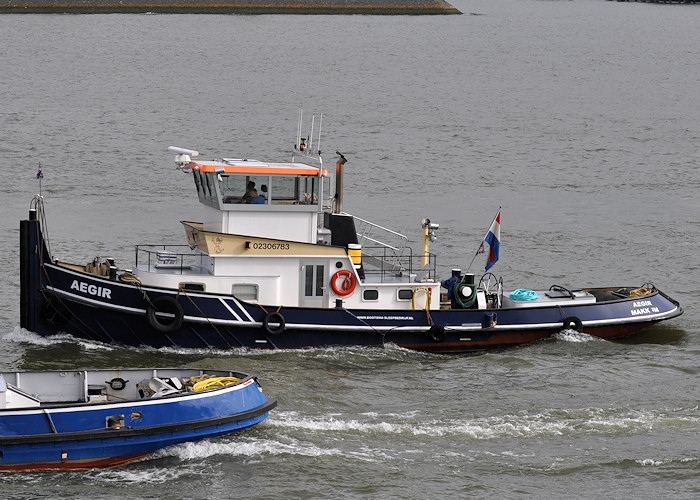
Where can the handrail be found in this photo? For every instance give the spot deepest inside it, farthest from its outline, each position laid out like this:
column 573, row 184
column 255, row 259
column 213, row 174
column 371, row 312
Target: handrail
column 380, row 261
column 366, row 228
column 149, row 250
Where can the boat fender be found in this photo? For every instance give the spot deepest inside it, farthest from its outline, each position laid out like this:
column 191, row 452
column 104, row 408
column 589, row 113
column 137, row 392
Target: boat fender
column 168, row 305
column 347, row 286
column 489, row 320
column 117, row 384
column 573, row 323
column 274, row 317
column 437, row 333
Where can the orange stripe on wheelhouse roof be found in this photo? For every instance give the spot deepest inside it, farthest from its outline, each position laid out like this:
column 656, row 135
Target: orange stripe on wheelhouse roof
column 260, row 168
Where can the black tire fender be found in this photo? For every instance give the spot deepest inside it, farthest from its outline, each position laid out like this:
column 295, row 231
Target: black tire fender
column 437, row 333
column 274, row 317
column 168, row 305
column 573, row 323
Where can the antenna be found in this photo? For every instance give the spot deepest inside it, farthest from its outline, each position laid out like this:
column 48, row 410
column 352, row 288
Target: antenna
column 311, row 132
column 299, row 120
column 304, row 145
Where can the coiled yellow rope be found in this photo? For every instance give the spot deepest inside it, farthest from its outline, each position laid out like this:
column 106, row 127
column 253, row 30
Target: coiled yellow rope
column 428, row 294
column 213, row 383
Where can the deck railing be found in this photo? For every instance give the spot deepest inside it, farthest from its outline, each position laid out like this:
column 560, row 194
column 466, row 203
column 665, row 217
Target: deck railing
column 380, row 264
column 370, row 234
column 170, row 257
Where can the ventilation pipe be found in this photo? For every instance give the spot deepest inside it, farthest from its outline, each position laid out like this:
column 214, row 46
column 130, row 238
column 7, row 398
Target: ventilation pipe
column 339, row 183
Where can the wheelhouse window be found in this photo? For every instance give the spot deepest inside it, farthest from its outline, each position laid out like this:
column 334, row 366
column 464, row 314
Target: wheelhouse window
column 219, row 189
column 297, row 190
column 205, row 188
column 238, row 189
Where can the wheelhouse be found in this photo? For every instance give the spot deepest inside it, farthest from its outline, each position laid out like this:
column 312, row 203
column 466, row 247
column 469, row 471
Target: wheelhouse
column 226, row 184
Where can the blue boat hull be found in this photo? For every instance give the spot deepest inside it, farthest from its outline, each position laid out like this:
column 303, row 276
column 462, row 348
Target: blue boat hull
column 57, row 298
column 79, row 435
column 109, row 447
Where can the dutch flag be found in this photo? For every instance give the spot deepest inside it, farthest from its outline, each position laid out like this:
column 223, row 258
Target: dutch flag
column 493, row 238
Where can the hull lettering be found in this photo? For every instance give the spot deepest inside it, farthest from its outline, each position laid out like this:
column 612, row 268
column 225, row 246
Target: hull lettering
column 644, row 310
column 91, row 289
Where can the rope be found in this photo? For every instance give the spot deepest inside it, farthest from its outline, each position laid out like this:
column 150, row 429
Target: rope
column 428, row 294
column 214, row 383
column 464, row 304
column 430, row 318
column 38, row 204
column 92, row 333
column 204, row 316
column 562, row 311
column 383, row 334
column 128, row 277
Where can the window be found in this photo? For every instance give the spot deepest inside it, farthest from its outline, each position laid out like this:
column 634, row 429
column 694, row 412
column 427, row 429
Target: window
column 405, row 294
column 234, row 187
column 198, row 182
column 313, row 280
column 370, row 295
column 245, row 291
column 297, row 190
column 208, row 191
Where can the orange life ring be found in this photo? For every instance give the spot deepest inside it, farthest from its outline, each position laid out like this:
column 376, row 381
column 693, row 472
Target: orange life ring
column 348, row 284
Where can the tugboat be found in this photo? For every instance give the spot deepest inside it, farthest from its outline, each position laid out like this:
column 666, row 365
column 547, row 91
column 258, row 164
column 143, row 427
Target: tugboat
column 275, row 262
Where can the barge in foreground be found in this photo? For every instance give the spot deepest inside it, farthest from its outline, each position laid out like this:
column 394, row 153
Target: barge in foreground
column 286, row 267
column 96, row 418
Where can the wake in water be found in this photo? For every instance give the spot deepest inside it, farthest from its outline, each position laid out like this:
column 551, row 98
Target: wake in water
column 234, row 446
column 389, row 351
column 20, row 335
column 574, row 336
column 552, row 422
column 290, row 435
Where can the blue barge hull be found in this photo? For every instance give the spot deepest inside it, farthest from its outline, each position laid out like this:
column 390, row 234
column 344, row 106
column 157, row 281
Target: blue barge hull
column 76, row 419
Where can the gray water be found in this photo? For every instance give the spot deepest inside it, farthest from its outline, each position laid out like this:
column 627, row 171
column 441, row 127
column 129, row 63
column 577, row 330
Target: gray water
column 580, row 118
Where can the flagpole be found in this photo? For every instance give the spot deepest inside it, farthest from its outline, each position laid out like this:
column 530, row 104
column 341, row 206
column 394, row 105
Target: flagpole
column 484, row 238
column 40, row 176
